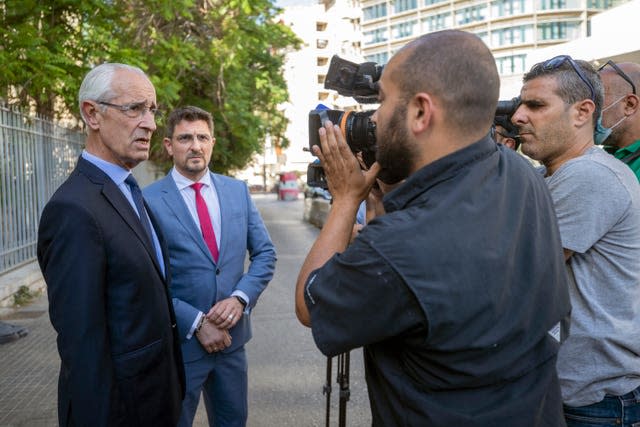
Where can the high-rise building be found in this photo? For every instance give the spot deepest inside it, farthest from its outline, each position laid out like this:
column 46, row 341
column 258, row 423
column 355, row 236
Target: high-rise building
column 327, row 28
column 511, row 28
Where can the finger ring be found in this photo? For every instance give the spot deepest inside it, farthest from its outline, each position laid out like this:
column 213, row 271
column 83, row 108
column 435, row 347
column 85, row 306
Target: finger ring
column 230, row 317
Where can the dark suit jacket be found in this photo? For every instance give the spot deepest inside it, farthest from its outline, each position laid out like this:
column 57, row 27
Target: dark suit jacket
column 109, row 303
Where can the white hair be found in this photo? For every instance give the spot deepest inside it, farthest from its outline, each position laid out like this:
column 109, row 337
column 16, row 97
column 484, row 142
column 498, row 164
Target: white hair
column 96, row 85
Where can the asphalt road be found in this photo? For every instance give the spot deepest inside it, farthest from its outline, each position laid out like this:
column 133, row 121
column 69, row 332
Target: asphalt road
column 286, row 370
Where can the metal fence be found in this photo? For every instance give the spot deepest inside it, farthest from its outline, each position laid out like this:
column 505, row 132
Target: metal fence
column 36, row 156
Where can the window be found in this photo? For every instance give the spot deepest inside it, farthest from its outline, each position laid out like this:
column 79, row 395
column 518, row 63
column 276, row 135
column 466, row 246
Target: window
column 321, row 26
column 471, row 14
column 509, row 65
column 484, row 36
column 379, row 58
column 322, row 61
column 375, row 11
column 430, row 2
column 501, row 8
column 512, row 35
column 552, row 4
column 321, row 44
column 558, row 30
column 404, row 5
column 600, row 4
column 404, row 29
column 437, row 22
column 378, row 35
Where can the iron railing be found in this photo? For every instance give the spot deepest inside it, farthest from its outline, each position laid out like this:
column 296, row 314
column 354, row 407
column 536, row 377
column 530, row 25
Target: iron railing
column 36, row 156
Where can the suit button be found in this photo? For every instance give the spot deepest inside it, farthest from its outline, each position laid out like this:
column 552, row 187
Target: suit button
column 217, row 271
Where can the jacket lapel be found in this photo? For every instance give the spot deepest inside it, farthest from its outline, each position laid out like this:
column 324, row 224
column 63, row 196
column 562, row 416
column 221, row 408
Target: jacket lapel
column 175, row 203
column 221, row 191
column 121, row 205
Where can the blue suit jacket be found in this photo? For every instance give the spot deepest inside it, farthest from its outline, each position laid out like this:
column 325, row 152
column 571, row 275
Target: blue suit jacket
column 197, row 282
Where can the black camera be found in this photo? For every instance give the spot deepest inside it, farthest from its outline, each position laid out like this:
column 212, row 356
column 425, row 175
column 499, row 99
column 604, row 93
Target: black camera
column 356, row 126
column 502, row 118
column 359, row 81
column 507, row 108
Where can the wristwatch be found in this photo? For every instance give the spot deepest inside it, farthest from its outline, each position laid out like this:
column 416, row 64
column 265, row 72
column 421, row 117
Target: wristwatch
column 242, row 301
column 200, row 323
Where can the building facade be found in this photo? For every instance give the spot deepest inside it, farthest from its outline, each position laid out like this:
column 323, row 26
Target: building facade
column 511, row 28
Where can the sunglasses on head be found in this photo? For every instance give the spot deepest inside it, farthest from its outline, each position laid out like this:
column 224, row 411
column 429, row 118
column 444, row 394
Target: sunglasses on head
column 557, row 61
column 620, row 73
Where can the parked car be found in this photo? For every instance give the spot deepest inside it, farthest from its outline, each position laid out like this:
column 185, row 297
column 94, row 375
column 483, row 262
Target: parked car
column 315, row 192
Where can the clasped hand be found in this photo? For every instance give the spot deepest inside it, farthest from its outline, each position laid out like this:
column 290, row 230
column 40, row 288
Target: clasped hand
column 214, row 333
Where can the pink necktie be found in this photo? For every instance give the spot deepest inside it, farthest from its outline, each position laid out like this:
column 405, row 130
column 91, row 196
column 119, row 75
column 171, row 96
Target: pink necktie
column 205, row 222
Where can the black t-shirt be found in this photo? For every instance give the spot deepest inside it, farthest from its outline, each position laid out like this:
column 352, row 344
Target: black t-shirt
column 452, row 294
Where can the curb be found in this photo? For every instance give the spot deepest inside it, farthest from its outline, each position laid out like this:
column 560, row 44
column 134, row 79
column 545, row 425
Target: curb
column 28, row 275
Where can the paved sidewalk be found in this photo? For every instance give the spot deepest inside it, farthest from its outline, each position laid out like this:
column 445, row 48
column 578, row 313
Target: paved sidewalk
column 29, row 370
column 286, row 371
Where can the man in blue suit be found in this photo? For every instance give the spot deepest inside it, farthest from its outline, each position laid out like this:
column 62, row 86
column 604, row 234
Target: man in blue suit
column 105, row 262
column 211, row 224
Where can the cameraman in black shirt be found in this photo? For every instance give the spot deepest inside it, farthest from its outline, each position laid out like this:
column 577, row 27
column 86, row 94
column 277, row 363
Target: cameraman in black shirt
column 457, row 291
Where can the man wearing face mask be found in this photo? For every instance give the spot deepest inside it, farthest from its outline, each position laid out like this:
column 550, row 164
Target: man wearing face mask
column 597, row 203
column 621, row 114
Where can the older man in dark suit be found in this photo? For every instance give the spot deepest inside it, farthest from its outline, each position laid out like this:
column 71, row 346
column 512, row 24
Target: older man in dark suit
column 105, row 264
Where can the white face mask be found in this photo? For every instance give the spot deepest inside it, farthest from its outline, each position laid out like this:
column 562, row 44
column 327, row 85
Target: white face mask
column 602, row 133
column 611, row 105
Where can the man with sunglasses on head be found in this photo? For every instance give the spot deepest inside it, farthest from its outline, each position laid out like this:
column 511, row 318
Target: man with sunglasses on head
column 105, row 263
column 621, row 114
column 597, row 202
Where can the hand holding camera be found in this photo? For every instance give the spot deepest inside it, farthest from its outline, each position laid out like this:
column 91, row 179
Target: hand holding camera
column 346, row 180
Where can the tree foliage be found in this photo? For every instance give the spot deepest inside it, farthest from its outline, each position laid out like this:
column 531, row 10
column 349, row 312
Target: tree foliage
column 222, row 55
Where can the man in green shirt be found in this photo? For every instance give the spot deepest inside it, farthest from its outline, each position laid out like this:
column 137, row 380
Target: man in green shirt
column 621, row 111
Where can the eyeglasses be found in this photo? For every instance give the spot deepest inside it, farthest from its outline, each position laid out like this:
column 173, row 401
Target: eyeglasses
column 620, row 73
column 133, row 110
column 556, row 62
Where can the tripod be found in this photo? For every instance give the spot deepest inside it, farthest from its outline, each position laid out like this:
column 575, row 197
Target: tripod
column 342, row 378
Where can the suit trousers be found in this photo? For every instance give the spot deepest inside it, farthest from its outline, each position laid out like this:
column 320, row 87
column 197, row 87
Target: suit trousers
column 222, row 378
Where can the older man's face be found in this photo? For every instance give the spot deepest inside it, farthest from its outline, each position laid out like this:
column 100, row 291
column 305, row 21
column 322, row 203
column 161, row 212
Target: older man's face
column 126, row 140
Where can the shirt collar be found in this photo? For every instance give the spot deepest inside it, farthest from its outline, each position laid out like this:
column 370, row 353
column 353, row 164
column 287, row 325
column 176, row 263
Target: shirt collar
column 183, row 182
column 117, row 173
column 440, row 170
column 628, row 149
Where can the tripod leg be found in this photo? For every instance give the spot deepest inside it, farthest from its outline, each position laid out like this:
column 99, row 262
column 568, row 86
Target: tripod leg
column 345, row 392
column 327, row 390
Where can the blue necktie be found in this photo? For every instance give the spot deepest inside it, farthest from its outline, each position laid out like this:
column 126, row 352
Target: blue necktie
column 139, row 202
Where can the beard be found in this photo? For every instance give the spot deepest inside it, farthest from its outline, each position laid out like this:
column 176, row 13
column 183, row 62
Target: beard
column 394, row 152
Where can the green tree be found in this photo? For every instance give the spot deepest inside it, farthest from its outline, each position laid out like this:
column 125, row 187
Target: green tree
column 223, row 55
column 46, row 48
